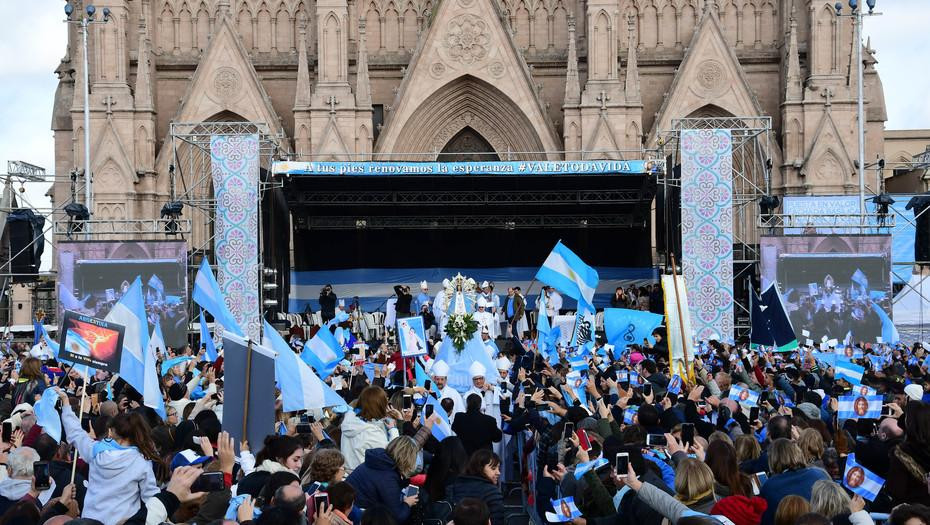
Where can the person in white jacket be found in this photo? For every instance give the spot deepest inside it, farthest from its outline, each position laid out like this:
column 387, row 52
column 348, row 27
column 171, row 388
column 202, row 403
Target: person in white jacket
column 373, row 427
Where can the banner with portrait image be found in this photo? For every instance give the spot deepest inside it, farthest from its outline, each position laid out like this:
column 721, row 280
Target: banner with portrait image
column 411, row 336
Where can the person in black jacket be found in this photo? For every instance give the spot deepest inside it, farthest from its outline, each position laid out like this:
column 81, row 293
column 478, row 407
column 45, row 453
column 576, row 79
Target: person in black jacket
column 402, row 307
column 480, row 482
column 327, row 303
column 477, row 431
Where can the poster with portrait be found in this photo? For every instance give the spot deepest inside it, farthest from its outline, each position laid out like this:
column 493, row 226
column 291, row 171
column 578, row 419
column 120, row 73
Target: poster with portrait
column 565, row 510
column 90, row 341
column 411, row 336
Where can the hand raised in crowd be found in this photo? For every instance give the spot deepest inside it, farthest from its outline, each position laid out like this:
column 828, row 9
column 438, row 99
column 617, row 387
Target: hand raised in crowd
column 412, row 500
column 68, row 498
column 226, row 452
column 856, row 503
column 206, row 446
column 246, row 510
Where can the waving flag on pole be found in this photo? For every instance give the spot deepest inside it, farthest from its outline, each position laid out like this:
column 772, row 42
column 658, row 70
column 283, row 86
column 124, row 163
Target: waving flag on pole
column 583, row 336
column 890, row 334
column 625, row 327
column 323, row 353
column 46, row 415
column 542, row 328
column 207, row 339
column 861, row 480
column 442, row 429
column 129, row 311
column 568, row 273
column 844, row 369
column 301, row 389
column 759, row 333
column 857, row 406
column 207, row 294
column 151, row 393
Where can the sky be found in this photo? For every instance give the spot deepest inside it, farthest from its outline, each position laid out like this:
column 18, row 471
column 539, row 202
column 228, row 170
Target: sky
column 33, row 41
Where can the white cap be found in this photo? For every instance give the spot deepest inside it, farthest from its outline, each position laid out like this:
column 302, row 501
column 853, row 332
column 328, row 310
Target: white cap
column 476, row 370
column 503, row 363
column 482, row 303
column 914, row 391
column 485, row 284
column 439, row 369
column 424, row 285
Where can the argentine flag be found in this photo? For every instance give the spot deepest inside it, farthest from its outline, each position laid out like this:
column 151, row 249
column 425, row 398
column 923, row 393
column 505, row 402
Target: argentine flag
column 442, row 429
column 129, row 311
column 207, row 294
column 859, row 407
column 151, row 393
column 568, row 273
column 323, row 353
column 861, row 480
column 844, row 369
column 744, row 395
column 207, row 339
column 301, row 389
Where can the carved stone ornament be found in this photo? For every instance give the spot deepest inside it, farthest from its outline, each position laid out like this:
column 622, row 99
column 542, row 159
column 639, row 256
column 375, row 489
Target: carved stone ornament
column 711, row 77
column 226, row 83
column 496, row 69
column 437, row 69
column 467, row 39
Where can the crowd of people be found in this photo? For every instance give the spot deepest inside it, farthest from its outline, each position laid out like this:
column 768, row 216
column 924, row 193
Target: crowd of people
column 594, row 436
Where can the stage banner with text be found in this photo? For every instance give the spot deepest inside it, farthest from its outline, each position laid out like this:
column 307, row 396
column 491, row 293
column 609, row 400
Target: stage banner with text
column 235, row 182
column 707, row 230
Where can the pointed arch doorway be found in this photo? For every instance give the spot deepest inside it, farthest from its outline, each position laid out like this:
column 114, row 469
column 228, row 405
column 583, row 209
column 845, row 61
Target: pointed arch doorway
column 468, row 146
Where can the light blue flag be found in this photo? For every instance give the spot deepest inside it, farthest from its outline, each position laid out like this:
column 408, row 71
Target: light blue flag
column 542, row 328
column 442, row 429
column 323, row 353
column 856, row 407
column 567, row 273
column 844, row 369
column 578, row 363
column 207, row 339
column 151, row 393
column 626, row 327
column 207, row 294
column 46, row 415
column 861, row 480
column 301, row 389
column 168, row 364
column 890, row 334
column 341, row 317
column 674, row 385
column 582, row 468
column 129, row 311
column 421, row 377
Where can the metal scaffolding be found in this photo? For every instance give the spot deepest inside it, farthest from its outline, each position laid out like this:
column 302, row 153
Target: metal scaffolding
column 752, row 164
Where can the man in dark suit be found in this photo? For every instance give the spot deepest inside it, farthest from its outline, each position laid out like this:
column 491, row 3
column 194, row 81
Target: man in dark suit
column 476, row 430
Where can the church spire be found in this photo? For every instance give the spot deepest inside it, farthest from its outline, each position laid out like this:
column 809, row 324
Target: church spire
column 572, row 82
column 362, row 84
column 632, row 68
column 143, row 92
column 794, row 90
column 302, row 97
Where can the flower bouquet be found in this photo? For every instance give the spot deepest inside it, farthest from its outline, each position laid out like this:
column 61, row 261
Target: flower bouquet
column 460, row 328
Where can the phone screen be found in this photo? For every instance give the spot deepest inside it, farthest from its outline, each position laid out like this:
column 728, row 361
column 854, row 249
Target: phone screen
column 622, row 464
column 42, row 479
column 568, row 430
column 428, row 385
column 656, row 440
column 687, row 434
column 583, row 441
column 505, row 405
column 647, row 389
column 411, row 490
column 408, row 401
column 886, row 411
column 208, row 482
column 428, row 411
column 304, row 428
column 7, row 431
column 320, row 499
column 753, row 414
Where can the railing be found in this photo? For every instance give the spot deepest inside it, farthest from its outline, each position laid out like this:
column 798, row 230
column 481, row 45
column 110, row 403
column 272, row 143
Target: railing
column 128, row 228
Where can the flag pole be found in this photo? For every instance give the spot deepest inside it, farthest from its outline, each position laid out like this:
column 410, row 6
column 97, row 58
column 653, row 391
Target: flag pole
column 681, row 321
column 248, row 381
column 80, row 416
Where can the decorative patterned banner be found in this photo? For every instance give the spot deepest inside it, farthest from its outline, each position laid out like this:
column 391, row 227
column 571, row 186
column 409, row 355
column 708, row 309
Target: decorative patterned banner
column 707, row 230
column 235, row 184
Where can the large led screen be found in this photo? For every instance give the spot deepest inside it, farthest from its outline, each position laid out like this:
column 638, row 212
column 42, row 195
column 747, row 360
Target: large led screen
column 92, row 276
column 833, row 286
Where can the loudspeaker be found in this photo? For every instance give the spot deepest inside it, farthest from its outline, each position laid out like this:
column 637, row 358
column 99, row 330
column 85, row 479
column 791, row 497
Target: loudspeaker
column 668, row 216
column 920, row 203
column 24, row 260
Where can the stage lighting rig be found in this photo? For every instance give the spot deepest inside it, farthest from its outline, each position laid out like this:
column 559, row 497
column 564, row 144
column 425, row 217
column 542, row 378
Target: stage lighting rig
column 882, row 202
column 77, row 214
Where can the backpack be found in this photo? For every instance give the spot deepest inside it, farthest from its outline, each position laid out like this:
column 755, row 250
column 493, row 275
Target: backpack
column 440, row 512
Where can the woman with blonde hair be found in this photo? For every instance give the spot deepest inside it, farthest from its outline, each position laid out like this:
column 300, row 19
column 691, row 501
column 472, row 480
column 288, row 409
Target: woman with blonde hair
column 829, row 499
column 373, row 427
column 380, row 479
column 790, row 509
column 811, row 443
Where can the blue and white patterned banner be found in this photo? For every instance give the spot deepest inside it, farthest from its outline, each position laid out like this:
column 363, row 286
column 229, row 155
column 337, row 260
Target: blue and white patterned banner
column 235, row 183
column 707, row 230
